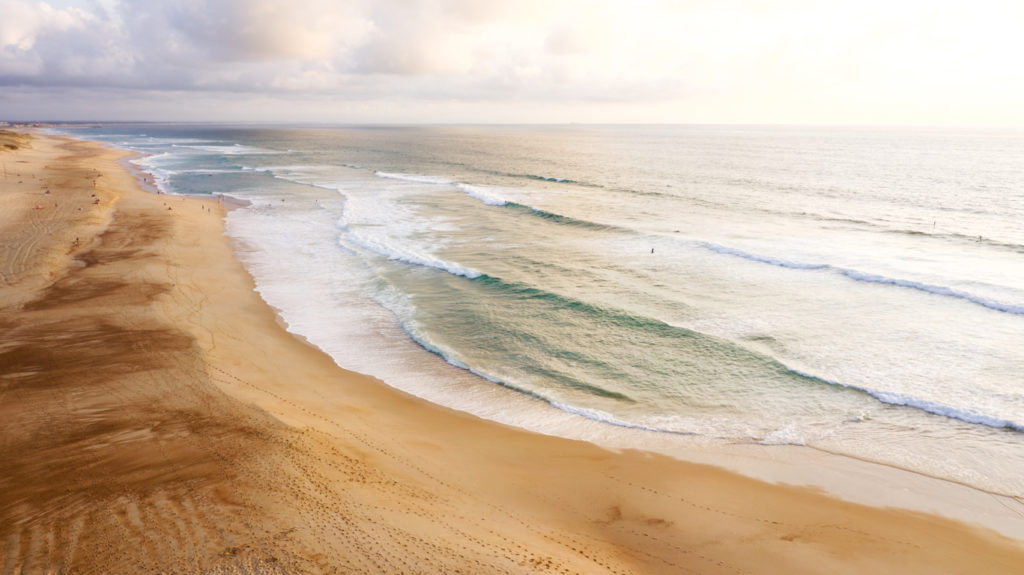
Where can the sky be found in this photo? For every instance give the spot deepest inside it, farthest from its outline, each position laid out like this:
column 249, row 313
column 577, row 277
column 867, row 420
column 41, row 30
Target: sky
column 864, row 62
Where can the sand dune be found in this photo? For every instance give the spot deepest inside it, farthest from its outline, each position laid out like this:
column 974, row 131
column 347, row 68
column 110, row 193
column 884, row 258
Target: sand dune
column 155, row 417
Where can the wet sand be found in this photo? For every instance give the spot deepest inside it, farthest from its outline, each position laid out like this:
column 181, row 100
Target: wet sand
column 156, row 417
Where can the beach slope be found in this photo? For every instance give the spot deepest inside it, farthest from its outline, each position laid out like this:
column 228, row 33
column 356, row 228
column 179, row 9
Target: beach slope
column 156, row 417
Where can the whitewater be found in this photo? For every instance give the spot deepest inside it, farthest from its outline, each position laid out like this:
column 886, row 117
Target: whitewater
column 857, row 291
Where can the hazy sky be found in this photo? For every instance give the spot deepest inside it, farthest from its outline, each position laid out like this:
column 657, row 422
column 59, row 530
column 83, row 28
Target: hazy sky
column 729, row 61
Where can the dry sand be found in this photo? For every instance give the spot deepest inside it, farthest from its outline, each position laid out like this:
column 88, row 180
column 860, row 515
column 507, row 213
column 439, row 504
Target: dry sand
column 155, row 417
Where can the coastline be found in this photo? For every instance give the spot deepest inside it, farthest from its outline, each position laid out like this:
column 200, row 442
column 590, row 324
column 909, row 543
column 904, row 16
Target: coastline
column 158, row 416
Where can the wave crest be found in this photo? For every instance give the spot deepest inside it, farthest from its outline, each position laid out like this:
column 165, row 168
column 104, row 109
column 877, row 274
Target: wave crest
column 856, row 275
column 935, row 408
column 416, row 178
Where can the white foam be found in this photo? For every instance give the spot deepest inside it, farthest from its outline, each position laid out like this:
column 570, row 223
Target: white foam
column 380, row 224
column 605, row 417
column 296, row 265
column 378, row 210
column 160, row 175
column 289, row 169
column 414, row 178
column 856, row 275
column 486, row 195
column 763, row 259
column 965, row 414
column 397, row 250
column 789, row 434
column 173, row 142
column 230, row 150
column 934, row 289
column 205, row 172
column 149, row 159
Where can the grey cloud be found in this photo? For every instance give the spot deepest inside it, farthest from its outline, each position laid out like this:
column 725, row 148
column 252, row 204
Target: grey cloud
column 192, row 43
column 184, row 44
column 233, row 30
column 351, row 49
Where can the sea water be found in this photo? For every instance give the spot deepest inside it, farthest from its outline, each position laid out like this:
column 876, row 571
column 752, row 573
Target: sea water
column 858, row 291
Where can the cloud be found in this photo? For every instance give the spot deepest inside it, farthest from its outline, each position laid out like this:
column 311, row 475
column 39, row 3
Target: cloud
column 228, row 31
column 24, row 21
column 733, row 60
column 259, row 45
column 188, row 44
column 23, row 24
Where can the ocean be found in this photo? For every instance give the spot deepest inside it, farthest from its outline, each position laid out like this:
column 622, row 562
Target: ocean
column 854, row 291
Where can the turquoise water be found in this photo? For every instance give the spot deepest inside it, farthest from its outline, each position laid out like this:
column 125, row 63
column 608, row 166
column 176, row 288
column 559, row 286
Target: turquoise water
column 857, row 291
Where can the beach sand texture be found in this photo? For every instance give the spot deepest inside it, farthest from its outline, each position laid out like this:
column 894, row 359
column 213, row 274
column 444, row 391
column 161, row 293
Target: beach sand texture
column 156, row 417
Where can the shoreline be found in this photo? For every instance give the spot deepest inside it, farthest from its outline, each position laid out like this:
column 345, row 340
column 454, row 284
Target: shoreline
column 252, row 449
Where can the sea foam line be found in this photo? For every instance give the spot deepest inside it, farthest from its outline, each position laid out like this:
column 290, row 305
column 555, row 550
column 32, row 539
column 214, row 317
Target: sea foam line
column 935, row 289
column 587, row 413
column 762, row 259
column 395, row 251
column 414, row 178
column 935, row 408
column 227, row 150
column 860, row 276
column 483, row 194
column 489, row 197
column 360, row 217
column 887, row 397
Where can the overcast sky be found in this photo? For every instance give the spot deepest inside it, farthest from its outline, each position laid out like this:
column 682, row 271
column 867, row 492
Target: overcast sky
column 424, row 61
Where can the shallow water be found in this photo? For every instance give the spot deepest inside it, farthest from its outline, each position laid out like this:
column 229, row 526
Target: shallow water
column 857, row 291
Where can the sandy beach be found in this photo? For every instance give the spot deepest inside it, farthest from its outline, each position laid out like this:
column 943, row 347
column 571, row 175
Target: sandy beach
column 156, row 417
